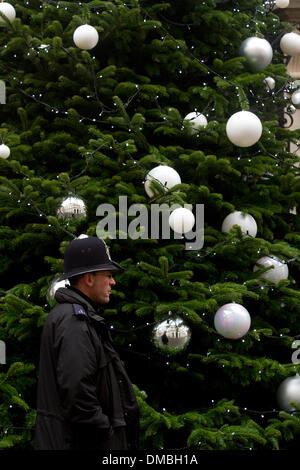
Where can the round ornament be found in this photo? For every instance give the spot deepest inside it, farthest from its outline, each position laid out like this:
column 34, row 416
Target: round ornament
column 171, row 334
column 181, row 220
column 291, row 109
column 296, row 97
column 8, row 10
column 244, row 129
column 282, row 3
column 232, row 321
column 4, row 151
column 245, row 221
column 270, row 83
column 257, row 51
column 72, row 208
column 165, row 175
column 288, row 393
column 278, row 272
column 197, row 120
column 55, row 284
column 85, row 37
column 290, row 44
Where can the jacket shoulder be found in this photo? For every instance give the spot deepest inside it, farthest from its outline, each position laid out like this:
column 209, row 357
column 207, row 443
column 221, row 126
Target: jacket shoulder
column 66, row 314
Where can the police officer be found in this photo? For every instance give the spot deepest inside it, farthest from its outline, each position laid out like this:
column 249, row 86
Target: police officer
column 85, row 398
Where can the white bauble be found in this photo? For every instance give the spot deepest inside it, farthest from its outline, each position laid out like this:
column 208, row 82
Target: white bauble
column 270, row 83
column 197, row 120
column 72, row 208
column 165, row 175
column 8, row 10
column 289, row 392
column 290, row 44
column 232, row 321
column 83, row 235
column 4, row 151
column 245, row 221
column 282, row 3
column 258, row 52
column 296, row 97
column 279, row 271
column 85, row 37
column 181, row 220
column 244, row 129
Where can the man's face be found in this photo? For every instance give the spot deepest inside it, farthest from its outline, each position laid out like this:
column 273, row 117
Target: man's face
column 102, row 283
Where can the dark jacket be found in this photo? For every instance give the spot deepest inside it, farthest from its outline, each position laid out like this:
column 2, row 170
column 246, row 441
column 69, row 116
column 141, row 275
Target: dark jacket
column 85, row 398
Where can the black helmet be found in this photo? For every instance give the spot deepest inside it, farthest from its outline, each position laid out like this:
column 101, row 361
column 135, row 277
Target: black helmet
column 85, row 255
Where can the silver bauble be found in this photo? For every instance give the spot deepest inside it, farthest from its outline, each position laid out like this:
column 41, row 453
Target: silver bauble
column 291, row 109
column 171, row 334
column 55, row 284
column 72, row 208
column 257, row 51
column 289, row 392
column 296, row 97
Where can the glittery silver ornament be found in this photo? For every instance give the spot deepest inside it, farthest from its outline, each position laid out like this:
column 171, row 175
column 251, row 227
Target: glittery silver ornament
column 72, row 208
column 288, row 393
column 172, row 334
column 257, row 51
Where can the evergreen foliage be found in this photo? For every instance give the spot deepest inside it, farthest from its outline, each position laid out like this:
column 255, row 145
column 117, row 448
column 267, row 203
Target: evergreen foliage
column 92, row 124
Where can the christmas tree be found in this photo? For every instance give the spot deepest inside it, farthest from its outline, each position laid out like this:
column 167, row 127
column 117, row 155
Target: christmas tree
column 88, row 113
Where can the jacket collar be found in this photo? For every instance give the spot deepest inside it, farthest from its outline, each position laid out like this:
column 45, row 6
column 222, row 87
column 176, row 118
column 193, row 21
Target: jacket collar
column 72, row 295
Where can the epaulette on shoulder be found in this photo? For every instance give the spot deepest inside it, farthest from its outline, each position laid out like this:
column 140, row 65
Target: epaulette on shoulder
column 79, row 311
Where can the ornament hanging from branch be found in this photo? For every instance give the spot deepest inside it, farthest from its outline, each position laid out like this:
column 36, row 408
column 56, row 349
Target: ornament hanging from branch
column 72, row 208
column 288, row 393
column 245, row 221
column 257, row 51
column 171, row 335
column 244, row 129
column 4, row 151
column 55, row 284
column 181, row 220
column 165, row 175
column 278, row 271
column 196, row 120
column 8, row 10
column 270, row 83
column 290, row 44
column 296, row 97
column 282, row 3
column 86, row 37
column 232, row 321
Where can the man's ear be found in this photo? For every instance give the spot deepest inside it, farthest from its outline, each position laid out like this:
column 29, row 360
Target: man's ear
column 88, row 279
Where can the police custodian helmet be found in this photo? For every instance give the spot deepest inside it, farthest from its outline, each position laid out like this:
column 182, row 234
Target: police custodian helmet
column 85, row 255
